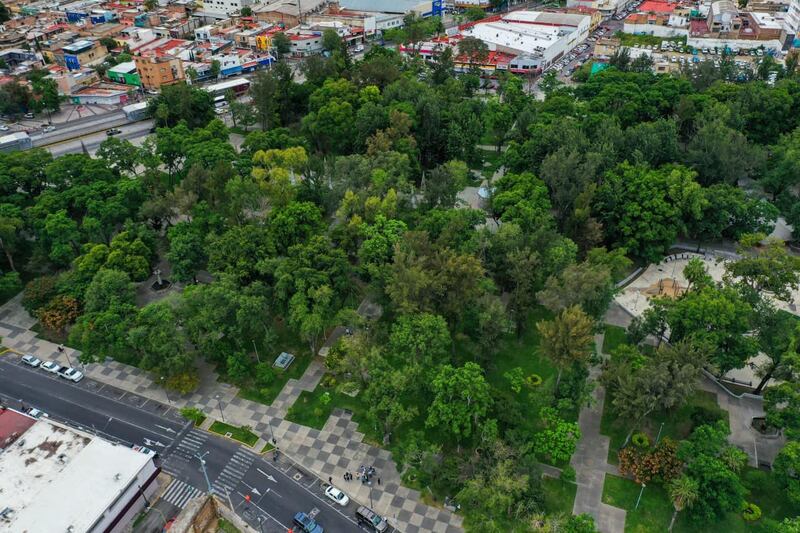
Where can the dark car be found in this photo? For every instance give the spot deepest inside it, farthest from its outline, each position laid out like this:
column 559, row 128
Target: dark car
column 113, row 131
column 307, row 524
column 368, row 517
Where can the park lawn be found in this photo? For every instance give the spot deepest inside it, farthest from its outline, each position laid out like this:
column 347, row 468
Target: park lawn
column 308, row 409
column 677, row 423
column 223, row 526
column 613, row 338
column 654, row 511
column 242, row 434
column 288, row 342
column 494, row 159
column 559, row 495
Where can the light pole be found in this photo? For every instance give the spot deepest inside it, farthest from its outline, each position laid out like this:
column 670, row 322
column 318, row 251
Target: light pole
column 165, row 390
column 258, row 358
column 219, row 404
column 203, row 468
column 260, row 519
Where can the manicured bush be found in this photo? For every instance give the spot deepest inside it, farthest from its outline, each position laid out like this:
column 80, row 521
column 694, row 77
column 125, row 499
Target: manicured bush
column 534, row 380
column 568, row 474
column 194, row 414
column 751, row 512
column 640, row 440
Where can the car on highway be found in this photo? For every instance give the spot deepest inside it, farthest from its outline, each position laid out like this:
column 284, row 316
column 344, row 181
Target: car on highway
column 28, row 115
column 336, row 495
column 31, row 360
column 50, row 366
column 307, row 524
column 36, row 413
column 4, row 127
column 113, row 131
column 48, row 129
column 71, row 374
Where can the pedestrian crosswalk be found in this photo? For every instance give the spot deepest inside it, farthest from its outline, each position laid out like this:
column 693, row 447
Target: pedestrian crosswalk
column 233, row 472
column 179, row 493
column 184, row 454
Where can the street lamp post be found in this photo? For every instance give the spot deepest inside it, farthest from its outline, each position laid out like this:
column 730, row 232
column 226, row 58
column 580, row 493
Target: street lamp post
column 260, row 519
column 203, row 468
column 165, row 390
column 219, row 404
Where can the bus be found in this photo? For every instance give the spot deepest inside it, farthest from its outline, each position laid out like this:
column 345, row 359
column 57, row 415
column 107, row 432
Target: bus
column 239, row 86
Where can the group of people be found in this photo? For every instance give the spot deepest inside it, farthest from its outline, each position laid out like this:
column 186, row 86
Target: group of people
column 364, row 475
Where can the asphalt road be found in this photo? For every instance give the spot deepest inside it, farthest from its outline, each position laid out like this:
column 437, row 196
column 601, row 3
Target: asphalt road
column 277, row 488
column 132, row 132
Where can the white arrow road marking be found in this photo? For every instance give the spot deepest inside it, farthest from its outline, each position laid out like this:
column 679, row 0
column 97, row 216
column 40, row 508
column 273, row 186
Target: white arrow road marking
column 149, row 442
column 269, row 477
column 168, row 430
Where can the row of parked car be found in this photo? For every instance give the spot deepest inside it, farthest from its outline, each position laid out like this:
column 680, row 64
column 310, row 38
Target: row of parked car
column 365, row 516
column 54, row 368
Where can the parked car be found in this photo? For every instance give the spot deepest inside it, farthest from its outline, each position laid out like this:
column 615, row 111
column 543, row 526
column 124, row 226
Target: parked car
column 71, row 374
column 36, row 413
column 49, row 366
column 367, row 517
column 48, row 129
column 113, row 131
column 4, row 127
column 28, row 115
column 336, row 495
column 31, row 360
column 359, row 48
column 307, row 524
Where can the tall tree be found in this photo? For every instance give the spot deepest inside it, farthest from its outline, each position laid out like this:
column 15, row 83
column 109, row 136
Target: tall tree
column 461, row 400
column 683, row 491
column 567, row 338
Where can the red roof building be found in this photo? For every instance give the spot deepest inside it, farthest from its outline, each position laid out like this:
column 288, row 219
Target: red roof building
column 12, row 425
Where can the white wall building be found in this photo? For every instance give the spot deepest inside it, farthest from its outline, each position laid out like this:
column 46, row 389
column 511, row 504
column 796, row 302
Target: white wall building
column 55, row 479
column 222, row 9
column 541, row 37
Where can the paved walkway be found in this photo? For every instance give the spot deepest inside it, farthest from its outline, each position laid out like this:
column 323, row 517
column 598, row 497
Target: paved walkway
column 335, row 449
column 591, row 465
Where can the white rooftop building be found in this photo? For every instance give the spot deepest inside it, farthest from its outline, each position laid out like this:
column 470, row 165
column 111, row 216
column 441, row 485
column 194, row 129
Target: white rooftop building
column 54, row 479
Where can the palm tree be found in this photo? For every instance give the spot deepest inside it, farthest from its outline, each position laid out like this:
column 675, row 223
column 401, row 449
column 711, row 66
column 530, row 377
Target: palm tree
column 683, row 491
column 567, row 338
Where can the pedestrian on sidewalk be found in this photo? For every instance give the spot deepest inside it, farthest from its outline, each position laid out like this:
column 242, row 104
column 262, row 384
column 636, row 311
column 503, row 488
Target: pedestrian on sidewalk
column 330, row 480
column 379, row 481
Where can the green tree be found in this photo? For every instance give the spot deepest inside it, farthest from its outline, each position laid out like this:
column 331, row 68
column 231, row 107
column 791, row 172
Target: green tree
column 475, row 51
column 498, row 118
column 420, row 339
column 557, row 441
column 770, row 268
column 5, row 14
column 644, row 210
column 461, row 400
column 586, row 284
column 157, row 343
column 11, row 226
column 182, row 102
column 186, row 253
column 683, row 491
column 782, row 401
column 567, row 338
column 109, row 289
column 787, row 470
column 281, row 45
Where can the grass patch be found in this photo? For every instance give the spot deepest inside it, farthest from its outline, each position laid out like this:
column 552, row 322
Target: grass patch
column 614, row 336
column 654, row 511
column 494, row 160
column 632, row 39
column 677, row 422
column 223, row 526
column 194, row 414
column 559, row 495
column 268, row 447
column 242, row 434
column 311, row 410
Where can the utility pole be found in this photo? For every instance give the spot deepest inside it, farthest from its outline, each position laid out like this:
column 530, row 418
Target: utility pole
column 203, row 468
column 258, row 358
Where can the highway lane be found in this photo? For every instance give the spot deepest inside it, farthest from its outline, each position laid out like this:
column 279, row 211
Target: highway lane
column 134, row 132
column 281, row 488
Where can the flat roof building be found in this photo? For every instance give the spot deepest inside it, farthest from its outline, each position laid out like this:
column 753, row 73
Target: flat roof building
column 55, row 478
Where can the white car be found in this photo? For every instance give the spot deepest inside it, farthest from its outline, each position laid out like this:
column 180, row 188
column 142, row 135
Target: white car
column 336, row 495
column 3, row 127
column 35, row 413
column 71, row 374
column 31, row 360
column 48, row 129
column 49, row 366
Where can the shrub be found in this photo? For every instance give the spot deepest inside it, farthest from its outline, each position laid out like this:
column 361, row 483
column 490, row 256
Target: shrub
column 264, row 375
column 194, row 414
column 38, row 292
column 751, row 512
column 325, row 399
column 59, row 313
column 640, row 440
column 534, row 380
column 184, row 383
column 516, row 379
column 10, row 285
column 328, row 381
column 661, row 463
column 702, row 415
column 568, row 474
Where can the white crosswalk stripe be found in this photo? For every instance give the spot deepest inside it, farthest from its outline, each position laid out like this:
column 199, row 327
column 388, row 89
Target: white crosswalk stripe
column 179, row 493
column 234, row 471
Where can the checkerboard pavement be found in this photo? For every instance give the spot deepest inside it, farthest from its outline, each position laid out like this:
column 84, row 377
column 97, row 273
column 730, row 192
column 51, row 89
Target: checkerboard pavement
column 332, row 451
